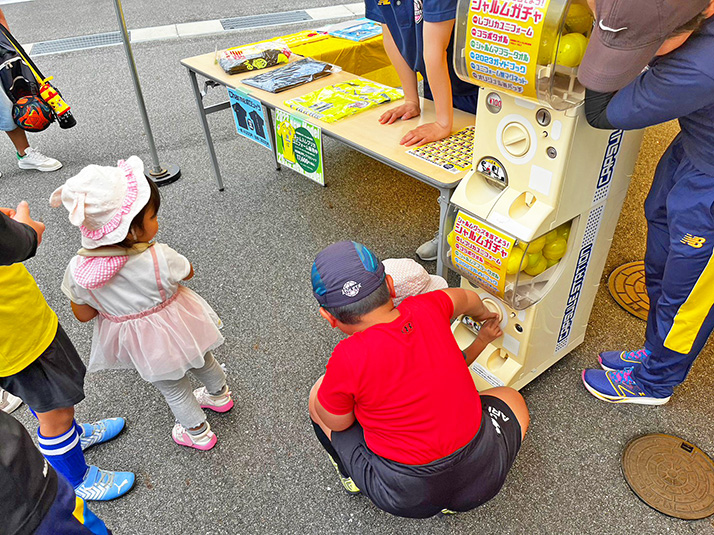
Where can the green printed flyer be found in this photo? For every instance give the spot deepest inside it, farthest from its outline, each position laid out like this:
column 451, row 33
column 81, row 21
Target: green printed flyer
column 299, row 146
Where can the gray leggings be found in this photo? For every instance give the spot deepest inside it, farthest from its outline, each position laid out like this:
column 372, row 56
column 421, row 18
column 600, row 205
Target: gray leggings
column 179, row 394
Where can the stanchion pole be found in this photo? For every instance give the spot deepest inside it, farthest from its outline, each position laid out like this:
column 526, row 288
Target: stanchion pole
column 158, row 174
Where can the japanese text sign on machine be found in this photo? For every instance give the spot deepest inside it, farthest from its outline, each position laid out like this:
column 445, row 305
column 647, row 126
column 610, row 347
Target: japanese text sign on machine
column 505, row 39
column 299, row 146
column 481, row 251
column 249, row 117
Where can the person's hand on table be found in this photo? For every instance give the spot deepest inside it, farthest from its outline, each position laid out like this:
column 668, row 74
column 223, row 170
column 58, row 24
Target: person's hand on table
column 22, row 215
column 404, row 112
column 425, row 133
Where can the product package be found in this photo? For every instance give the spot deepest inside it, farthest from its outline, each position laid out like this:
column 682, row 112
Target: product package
column 335, row 102
column 291, row 75
column 242, row 59
column 356, row 30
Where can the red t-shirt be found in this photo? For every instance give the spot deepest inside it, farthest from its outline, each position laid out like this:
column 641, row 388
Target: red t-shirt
column 407, row 383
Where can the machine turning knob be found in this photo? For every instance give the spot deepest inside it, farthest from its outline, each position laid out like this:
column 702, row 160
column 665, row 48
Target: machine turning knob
column 516, row 139
column 492, row 306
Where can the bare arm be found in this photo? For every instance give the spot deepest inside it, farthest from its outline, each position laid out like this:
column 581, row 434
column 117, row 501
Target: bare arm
column 83, row 313
column 436, row 40
column 407, row 77
column 468, row 302
column 336, row 422
column 3, row 20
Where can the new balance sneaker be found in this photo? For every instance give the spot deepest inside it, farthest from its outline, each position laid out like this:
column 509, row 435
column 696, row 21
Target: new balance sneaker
column 34, row 159
column 103, row 485
column 428, row 251
column 203, row 441
column 218, row 403
column 101, row 431
column 347, row 482
column 8, row 402
column 618, row 386
column 619, row 360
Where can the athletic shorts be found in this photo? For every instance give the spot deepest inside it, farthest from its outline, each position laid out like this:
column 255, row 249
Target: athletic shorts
column 6, row 122
column 70, row 515
column 54, row 380
column 465, row 479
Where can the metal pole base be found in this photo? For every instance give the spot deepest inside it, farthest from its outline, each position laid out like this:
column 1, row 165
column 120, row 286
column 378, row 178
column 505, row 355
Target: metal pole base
column 166, row 175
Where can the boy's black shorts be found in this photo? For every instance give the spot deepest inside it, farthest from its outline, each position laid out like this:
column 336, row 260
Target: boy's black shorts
column 55, row 380
column 465, row 479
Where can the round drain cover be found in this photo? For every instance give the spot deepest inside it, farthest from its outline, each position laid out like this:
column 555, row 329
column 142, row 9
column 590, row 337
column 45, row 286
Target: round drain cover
column 670, row 475
column 627, row 287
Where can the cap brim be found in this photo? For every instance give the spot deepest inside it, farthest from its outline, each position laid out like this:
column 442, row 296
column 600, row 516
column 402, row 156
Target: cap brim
column 606, row 69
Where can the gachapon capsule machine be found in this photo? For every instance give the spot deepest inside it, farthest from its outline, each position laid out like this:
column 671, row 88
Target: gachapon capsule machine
column 529, row 228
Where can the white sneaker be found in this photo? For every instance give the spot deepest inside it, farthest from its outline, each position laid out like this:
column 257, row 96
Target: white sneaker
column 428, row 251
column 8, row 402
column 205, row 441
column 219, row 403
column 34, row 159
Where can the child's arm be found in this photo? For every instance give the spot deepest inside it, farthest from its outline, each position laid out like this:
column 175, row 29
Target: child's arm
column 408, row 79
column 436, row 40
column 490, row 330
column 83, row 313
column 468, row 302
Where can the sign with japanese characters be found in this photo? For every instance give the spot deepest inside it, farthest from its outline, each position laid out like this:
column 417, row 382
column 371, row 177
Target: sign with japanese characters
column 504, row 43
column 249, row 117
column 299, row 145
column 481, row 252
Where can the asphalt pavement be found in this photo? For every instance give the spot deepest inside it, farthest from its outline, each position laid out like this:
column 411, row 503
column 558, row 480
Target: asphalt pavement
column 252, row 246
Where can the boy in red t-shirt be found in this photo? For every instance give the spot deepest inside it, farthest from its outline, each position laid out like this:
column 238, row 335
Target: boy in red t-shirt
column 397, row 410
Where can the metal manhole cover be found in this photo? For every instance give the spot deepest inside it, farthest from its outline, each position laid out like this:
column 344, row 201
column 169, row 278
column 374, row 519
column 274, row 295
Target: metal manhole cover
column 670, row 475
column 627, row 287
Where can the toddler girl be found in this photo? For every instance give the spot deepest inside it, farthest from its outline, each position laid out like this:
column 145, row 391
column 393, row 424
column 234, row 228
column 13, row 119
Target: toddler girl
column 145, row 319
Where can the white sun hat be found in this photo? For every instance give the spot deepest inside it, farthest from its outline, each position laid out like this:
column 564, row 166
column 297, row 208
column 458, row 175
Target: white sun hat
column 410, row 278
column 103, row 201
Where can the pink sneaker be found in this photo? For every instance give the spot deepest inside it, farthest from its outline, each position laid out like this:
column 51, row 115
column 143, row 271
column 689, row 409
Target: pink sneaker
column 220, row 403
column 205, row 441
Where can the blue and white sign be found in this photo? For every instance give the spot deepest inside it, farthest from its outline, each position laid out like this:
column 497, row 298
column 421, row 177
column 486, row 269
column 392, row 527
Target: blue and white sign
column 249, row 117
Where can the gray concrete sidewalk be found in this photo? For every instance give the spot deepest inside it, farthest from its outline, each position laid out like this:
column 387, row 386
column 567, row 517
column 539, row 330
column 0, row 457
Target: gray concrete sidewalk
column 252, row 246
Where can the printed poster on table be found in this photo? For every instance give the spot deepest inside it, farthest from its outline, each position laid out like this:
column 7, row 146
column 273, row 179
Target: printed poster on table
column 299, row 145
column 482, row 252
column 249, row 117
column 506, row 43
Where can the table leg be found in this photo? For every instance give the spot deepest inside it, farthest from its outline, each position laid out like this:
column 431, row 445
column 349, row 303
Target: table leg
column 273, row 142
column 206, row 130
column 444, row 197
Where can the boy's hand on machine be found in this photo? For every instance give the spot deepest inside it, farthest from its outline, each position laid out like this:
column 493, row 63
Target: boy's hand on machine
column 404, row 112
column 490, row 330
column 425, row 133
column 486, row 316
column 22, row 215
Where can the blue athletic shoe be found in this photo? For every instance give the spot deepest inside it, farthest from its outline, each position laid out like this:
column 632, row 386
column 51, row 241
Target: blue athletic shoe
column 103, row 485
column 101, row 431
column 619, row 360
column 617, row 386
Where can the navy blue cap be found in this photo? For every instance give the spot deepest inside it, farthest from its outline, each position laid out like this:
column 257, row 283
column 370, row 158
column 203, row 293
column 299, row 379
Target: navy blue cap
column 345, row 272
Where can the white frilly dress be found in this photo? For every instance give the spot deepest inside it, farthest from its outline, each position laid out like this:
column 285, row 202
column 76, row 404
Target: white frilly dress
column 147, row 320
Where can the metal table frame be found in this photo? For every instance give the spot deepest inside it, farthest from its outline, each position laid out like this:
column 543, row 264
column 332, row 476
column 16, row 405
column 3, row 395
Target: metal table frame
column 445, row 190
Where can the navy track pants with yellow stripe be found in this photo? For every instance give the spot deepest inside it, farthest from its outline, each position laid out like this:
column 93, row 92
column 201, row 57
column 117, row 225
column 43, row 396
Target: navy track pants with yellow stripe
column 69, row 515
column 679, row 270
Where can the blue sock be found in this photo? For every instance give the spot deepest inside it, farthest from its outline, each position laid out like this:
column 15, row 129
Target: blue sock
column 65, row 454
